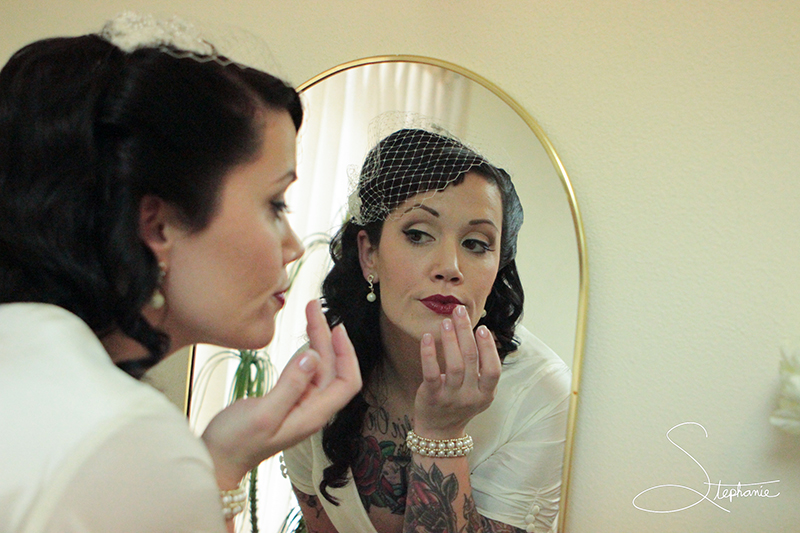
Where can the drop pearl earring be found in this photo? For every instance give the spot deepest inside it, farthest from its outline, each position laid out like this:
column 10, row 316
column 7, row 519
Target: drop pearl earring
column 157, row 300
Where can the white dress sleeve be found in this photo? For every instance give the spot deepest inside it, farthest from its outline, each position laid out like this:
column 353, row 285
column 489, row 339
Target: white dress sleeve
column 517, row 480
column 299, row 461
column 152, row 475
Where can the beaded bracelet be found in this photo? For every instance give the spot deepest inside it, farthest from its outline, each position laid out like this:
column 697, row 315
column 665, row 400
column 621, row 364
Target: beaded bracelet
column 233, row 501
column 439, row 448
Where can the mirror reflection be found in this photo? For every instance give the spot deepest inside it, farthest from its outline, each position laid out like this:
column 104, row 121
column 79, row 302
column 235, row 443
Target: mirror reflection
column 340, row 126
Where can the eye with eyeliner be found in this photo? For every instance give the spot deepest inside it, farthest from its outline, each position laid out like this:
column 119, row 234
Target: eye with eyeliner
column 279, row 207
column 415, row 236
column 482, row 246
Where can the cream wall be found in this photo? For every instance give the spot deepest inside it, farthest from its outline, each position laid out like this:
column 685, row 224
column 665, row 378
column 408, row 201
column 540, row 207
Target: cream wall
column 678, row 123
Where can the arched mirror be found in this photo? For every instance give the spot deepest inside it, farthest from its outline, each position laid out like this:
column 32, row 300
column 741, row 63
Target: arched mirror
column 343, row 103
column 341, row 106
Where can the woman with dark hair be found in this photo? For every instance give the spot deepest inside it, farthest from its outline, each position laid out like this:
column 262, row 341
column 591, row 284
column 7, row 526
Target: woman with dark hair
column 142, row 184
column 456, row 429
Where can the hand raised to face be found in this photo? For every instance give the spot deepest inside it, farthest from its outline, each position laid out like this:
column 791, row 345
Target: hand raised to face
column 315, row 385
column 450, row 397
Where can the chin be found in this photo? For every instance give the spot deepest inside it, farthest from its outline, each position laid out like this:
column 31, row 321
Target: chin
column 259, row 338
column 261, row 341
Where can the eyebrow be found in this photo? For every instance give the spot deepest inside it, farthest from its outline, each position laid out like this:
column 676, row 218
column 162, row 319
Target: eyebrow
column 424, row 207
column 435, row 213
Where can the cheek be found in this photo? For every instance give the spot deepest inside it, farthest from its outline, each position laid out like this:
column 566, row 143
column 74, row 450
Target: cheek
column 256, row 256
column 485, row 279
column 400, row 276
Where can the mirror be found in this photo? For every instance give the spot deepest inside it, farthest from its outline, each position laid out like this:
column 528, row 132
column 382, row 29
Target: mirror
column 340, row 105
column 342, row 102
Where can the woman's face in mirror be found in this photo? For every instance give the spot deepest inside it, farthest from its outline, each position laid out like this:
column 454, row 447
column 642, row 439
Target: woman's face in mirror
column 436, row 251
column 225, row 283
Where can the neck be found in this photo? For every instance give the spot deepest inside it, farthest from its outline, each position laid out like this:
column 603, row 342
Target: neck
column 402, row 373
column 122, row 348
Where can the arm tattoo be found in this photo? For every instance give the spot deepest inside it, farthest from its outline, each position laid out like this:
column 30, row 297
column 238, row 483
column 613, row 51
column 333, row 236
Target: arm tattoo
column 429, row 504
column 477, row 523
column 386, row 477
column 311, row 501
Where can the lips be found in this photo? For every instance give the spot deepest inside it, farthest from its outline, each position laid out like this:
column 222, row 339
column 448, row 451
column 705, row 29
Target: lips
column 440, row 304
column 281, row 297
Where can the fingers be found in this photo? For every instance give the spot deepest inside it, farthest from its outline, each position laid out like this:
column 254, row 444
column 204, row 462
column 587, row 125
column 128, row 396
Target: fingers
column 293, row 383
column 319, row 404
column 320, row 339
column 467, row 345
column 471, row 358
column 490, row 365
column 296, row 407
column 431, row 374
column 348, row 372
column 451, row 353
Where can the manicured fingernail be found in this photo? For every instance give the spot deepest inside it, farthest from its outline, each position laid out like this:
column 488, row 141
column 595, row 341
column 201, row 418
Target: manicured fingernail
column 447, row 324
column 461, row 310
column 309, row 361
column 483, row 331
column 427, row 339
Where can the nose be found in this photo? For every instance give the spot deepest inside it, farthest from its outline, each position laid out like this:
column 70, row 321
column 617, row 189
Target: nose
column 446, row 266
column 293, row 248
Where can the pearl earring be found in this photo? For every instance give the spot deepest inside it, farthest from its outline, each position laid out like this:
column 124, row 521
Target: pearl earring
column 157, row 300
column 371, row 294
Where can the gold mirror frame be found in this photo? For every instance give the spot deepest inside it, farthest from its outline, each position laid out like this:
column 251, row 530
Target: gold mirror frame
column 583, row 287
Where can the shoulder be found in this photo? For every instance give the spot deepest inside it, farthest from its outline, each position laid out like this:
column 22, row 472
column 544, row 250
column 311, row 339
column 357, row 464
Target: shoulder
column 56, row 365
column 86, row 409
column 150, row 475
column 534, row 361
column 534, row 388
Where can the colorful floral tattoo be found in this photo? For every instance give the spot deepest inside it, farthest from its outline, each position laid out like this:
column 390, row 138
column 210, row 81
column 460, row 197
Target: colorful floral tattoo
column 386, row 477
column 430, row 500
column 380, row 475
column 430, row 506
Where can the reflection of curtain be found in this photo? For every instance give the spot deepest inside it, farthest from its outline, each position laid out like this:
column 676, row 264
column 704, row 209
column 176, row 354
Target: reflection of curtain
column 332, row 142
column 339, row 112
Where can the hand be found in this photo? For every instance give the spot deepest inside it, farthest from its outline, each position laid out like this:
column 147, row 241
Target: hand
column 448, row 399
column 314, row 386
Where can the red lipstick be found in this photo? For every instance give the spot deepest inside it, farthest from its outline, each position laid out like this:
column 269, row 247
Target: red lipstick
column 440, row 304
column 281, row 297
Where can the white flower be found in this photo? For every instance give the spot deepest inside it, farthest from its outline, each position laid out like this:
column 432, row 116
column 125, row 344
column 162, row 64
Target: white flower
column 130, row 31
column 787, row 415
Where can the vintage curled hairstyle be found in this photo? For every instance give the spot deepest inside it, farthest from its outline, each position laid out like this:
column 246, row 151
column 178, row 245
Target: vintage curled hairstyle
column 86, row 130
column 406, row 163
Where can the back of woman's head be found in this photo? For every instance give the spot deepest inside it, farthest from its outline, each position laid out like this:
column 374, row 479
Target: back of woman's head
column 86, row 130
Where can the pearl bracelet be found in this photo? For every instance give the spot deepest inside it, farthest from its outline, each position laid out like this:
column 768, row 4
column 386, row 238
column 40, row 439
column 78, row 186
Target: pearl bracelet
column 439, row 448
column 233, row 501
